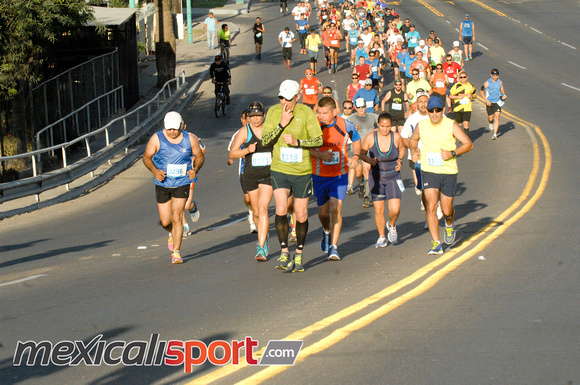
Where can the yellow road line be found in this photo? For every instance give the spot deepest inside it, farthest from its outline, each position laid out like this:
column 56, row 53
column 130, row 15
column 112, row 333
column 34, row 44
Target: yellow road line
column 303, row 333
column 489, row 8
column 431, row 8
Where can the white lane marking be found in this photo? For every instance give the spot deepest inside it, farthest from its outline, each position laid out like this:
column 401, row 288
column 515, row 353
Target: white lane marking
column 574, row 88
column 517, row 21
column 535, row 30
column 22, row 280
column 142, row 248
column 482, row 46
column 228, row 224
column 567, row 45
column 457, row 29
column 517, row 65
column 448, row 22
column 116, row 255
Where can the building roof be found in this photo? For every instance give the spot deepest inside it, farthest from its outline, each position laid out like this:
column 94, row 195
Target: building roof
column 111, row 16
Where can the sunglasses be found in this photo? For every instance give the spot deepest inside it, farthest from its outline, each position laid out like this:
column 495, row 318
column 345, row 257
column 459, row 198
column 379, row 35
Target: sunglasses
column 463, row 77
column 415, row 74
column 347, row 108
column 449, row 60
column 438, row 68
column 432, row 110
column 288, row 100
column 494, row 74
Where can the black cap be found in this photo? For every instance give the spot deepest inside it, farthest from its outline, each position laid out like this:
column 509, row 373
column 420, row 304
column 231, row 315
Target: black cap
column 495, row 71
column 218, row 57
column 255, row 108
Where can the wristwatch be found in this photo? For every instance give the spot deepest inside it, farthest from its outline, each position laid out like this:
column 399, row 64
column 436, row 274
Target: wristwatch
column 453, row 153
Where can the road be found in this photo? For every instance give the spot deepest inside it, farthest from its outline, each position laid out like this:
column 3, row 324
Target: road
column 499, row 307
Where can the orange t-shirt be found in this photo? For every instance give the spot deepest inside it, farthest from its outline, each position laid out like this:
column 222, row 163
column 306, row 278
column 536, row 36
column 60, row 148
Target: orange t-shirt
column 333, row 40
column 438, row 83
column 335, row 141
column 309, row 90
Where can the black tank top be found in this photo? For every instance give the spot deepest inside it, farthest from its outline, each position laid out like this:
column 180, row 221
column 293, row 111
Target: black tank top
column 384, row 170
column 257, row 163
column 398, row 99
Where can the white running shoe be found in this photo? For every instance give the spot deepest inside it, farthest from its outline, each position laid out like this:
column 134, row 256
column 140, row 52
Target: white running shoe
column 490, row 126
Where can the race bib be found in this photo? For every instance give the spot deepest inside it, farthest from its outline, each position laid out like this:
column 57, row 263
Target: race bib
column 309, row 91
column 261, row 159
column 413, row 40
column 302, row 28
column 401, row 185
column 374, row 68
column 463, row 101
column 259, row 34
column 500, row 103
column 397, row 106
column 434, row 159
column 334, row 42
column 439, row 84
column 176, row 170
column 370, row 104
column 290, row 155
column 335, row 159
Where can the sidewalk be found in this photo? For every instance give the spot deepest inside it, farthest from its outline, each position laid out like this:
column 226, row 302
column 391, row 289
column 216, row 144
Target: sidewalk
column 194, row 59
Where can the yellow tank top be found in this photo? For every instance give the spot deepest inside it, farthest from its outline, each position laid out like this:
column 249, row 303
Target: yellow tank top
column 433, row 139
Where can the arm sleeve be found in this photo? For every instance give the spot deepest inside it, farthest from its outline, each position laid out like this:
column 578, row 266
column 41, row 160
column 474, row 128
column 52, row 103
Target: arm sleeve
column 314, row 133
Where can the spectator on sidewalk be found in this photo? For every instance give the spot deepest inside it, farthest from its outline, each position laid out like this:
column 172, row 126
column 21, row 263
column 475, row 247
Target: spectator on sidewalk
column 210, row 26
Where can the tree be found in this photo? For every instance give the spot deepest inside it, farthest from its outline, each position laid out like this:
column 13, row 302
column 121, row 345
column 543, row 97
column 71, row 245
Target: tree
column 28, row 28
column 165, row 47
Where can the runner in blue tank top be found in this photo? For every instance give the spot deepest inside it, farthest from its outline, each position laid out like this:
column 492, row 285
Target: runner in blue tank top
column 467, row 35
column 493, row 95
column 168, row 156
column 385, row 153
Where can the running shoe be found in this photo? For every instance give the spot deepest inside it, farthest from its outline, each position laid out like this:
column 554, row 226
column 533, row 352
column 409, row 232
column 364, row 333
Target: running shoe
column 333, row 253
column 349, row 190
column 176, row 257
column 170, row 242
column 449, row 235
column 436, row 248
column 292, row 235
column 298, row 267
column 490, row 126
column 494, row 137
column 392, row 235
column 467, row 58
column 381, row 242
column 366, row 202
column 194, row 213
column 260, row 255
column 186, row 229
column 325, row 243
column 266, row 248
column 439, row 211
column 283, row 261
column 470, row 57
column 330, row 70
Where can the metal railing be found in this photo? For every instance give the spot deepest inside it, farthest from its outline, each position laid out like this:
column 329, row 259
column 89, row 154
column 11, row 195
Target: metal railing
column 139, row 118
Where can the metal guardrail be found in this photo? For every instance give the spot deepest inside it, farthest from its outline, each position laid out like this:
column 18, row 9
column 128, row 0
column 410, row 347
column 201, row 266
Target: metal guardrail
column 38, row 183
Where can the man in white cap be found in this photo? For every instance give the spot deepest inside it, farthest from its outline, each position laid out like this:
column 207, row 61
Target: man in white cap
column 292, row 129
column 456, row 54
column 369, row 94
column 168, row 156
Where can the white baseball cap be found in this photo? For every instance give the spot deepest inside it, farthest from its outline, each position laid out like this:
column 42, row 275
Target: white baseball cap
column 360, row 102
column 456, row 43
column 421, row 42
column 289, row 89
column 172, row 120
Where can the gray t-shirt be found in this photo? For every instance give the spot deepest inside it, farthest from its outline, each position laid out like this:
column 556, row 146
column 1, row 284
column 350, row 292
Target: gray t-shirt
column 366, row 124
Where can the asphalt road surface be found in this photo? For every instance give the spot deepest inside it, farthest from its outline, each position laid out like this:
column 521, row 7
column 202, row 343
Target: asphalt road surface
column 500, row 306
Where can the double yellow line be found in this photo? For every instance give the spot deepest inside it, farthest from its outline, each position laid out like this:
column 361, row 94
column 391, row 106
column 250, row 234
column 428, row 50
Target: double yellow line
column 502, row 222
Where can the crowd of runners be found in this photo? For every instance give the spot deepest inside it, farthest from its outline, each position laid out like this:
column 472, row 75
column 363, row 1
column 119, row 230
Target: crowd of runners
column 306, row 145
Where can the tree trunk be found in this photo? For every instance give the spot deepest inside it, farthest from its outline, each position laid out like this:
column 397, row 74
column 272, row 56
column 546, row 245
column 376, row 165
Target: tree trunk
column 165, row 48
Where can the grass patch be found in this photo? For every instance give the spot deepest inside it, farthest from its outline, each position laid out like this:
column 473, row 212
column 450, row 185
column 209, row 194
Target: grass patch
column 208, row 3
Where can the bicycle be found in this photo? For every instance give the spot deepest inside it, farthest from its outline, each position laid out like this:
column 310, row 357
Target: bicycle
column 220, row 101
column 284, row 6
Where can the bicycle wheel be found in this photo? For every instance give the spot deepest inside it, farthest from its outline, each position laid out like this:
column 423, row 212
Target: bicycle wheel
column 224, row 107
column 218, row 107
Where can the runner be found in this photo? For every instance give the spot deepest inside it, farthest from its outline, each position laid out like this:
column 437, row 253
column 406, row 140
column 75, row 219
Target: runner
column 286, row 38
column 398, row 103
column 334, row 37
column 493, row 95
column 385, row 150
column 401, row 66
column 407, row 61
column 362, row 70
column 369, row 94
column 330, row 165
column 456, row 54
column 374, row 63
column 467, row 35
column 364, row 123
column 257, row 160
column 259, row 30
column 414, row 86
column 437, row 54
column 168, row 156
column 313, row 41
column 413, row 37
column 359, row 51
column 353, row 87
column 438, row 153
column 302, row 27
column 440, row 83
column 422, row 66
column 347, row 110
column 462, row 93
column 310, row 87
column 292, row 129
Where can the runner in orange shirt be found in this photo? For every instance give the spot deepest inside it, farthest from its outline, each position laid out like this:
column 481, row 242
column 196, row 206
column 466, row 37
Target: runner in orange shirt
column 310, row 87
column 334, row 38
column 440, row 82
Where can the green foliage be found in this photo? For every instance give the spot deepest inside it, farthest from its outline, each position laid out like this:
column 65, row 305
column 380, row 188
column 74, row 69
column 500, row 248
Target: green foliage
column 27, row 29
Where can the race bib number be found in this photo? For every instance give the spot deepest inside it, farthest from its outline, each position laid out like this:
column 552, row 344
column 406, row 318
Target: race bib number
column 309, row 91
column 374, row 68
column 302, row 28
column 464, row 101
column 401, row 185
column 370, row 104
column 500, row 103
column 176, row 170
column 290, row 155
column 439, row 84
column 259, row 34
column 335, row 159
column 334, row 42
column 261, row 159
column 413, row 40
column 397, row 106
column 434, row 159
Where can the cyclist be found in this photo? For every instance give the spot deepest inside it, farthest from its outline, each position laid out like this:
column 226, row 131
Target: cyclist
column 283, row 6
column 225, row 39
column 221, row 76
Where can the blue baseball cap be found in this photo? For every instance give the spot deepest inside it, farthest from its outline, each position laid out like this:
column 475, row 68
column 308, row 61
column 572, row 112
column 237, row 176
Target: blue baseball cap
column 434, row 102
